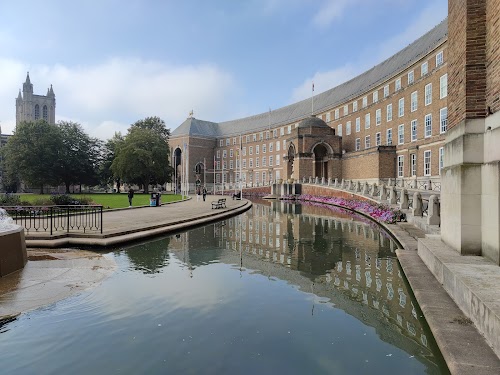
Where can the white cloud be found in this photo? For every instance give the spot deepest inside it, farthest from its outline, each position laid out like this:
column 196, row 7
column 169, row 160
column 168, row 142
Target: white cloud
column 109, row 96
column 372, row 55
column 331, row 10
column 324, row 81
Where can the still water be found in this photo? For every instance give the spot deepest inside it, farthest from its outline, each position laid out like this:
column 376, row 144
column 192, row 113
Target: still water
column 281, row 289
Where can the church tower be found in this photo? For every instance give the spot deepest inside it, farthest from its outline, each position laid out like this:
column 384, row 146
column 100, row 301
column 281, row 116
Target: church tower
column 30, row 107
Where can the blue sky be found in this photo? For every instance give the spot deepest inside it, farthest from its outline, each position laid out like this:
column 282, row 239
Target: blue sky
column 112, row 62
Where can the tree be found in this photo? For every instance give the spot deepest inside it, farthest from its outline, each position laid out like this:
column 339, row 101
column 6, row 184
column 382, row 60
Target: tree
column 155, row 124
column 32, row 153
column 78, row 156
column 142, row 157
column 108, row 153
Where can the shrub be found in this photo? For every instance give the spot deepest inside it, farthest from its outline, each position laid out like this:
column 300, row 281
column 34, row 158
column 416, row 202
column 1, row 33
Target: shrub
column 9, row 200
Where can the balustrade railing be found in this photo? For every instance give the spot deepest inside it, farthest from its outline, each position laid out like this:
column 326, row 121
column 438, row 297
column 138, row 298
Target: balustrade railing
column 57, row 218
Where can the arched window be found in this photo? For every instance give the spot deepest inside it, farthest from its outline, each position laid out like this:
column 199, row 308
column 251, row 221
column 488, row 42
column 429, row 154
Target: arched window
column 37, row 112
column 45, row 113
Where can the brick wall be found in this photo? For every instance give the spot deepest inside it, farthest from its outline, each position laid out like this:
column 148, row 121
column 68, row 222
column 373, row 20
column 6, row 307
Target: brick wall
column 371, row 163
column 467, row 60
column 493, row 54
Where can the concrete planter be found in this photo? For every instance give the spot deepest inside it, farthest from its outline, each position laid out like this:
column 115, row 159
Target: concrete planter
column 13, row 254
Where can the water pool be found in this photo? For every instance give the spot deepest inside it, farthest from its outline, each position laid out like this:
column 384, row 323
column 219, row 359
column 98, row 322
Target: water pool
column 280, row 289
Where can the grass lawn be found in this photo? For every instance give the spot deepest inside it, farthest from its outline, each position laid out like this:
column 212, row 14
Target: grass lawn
column 108, row 200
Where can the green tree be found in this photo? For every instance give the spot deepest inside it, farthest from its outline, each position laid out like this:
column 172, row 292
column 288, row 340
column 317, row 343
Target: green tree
column 108, row 153
column 155, row 124
column 142, row 157
column 32, row 153
column 79, row 156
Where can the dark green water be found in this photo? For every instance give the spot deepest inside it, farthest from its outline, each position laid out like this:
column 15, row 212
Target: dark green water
column 281, row 289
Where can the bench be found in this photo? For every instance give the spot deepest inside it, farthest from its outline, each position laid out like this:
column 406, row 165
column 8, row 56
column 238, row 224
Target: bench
column 220, row 203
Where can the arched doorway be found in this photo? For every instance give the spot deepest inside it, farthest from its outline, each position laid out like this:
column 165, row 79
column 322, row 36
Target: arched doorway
column 177, row 158
column 320, row 161
column 199, row 171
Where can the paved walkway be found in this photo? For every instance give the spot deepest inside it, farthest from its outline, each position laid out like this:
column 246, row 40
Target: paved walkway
column 130, row 224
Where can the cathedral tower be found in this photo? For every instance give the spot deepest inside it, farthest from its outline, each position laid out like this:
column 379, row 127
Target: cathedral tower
column 30, row 107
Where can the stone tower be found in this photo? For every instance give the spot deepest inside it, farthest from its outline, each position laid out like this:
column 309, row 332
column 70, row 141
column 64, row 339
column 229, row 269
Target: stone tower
column 30, row 107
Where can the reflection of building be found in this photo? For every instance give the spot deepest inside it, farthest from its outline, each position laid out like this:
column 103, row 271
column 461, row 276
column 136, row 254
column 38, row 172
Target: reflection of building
column 349, row 262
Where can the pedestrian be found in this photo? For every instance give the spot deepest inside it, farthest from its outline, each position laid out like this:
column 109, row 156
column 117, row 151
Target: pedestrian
column 204, row 193
column 198, row 193
column 130, row 196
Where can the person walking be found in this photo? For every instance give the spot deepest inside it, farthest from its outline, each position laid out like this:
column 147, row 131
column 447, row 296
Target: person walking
column 130, row 196
column 198, row 193
column 204, row 193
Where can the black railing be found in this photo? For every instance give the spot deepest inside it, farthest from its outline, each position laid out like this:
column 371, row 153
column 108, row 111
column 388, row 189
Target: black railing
column 57, row 218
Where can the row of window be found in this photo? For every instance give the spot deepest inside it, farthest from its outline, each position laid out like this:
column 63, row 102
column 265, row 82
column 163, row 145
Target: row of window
column 413, row 163
column 252, row 177
column 45, row 112
column 267, row 161
column 265, row 148
column 424, row 70
column 253, row 137
column 443, row 127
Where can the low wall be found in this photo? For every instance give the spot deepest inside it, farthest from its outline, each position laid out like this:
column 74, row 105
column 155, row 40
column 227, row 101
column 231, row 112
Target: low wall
column 13, row 254
column 322, row 191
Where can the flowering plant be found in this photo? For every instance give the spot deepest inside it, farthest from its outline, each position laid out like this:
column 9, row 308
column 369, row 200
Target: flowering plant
column 377, row 211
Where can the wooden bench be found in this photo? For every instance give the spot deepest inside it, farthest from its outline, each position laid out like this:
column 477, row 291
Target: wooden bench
column 220, row 203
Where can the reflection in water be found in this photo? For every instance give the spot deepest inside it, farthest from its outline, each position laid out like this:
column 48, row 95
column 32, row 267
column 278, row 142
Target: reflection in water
column 282, row 288
column 342, row 258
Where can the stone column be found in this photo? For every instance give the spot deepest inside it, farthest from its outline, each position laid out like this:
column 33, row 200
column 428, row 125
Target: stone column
column 392, row 195
column 365, row 189
column 433, row 214
column 417, row 204
column 403, row 201
column 383, row 193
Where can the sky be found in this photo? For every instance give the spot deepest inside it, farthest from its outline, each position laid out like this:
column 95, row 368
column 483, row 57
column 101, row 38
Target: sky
column 112, row 63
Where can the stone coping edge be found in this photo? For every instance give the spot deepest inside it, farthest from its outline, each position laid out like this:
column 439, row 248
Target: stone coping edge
column 137, row 235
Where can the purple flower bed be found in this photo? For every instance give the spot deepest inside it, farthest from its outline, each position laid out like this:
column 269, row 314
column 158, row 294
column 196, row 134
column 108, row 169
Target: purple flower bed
column 378, row 212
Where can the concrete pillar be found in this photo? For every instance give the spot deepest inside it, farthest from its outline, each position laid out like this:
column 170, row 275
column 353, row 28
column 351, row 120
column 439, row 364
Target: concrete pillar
column 329, row 183
column 403, row 201
column 322, row 180
column 393, row 195
column 383, row 193
column 417, row 204
column 433, row 211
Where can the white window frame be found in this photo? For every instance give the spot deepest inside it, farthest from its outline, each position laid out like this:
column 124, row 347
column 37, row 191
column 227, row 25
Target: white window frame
column 346, row 110
column 401, row 165
column 424, row 69
column 414, row 101
column 388, row 134
column 218, row 154
column 339, row 130
column 428, row 94
column 367, row 121
column 389, row 112
column 337, row 114
column 427, row 163
column 386, row 91
column 358, row 124
column 364, row 102
column 355, row 106
column 401, row 107
column 439, row 58
column 411, row 77
column 443, row 86
column 413, row 127
column 413, row 165
column 357, row 144
column 328, row 118
column 428, row 125
column 348, row 128
column 401, row 134
column 367, row 142
column 397, row 84
column 375, row 96
column 443, row 120
column 378, row 116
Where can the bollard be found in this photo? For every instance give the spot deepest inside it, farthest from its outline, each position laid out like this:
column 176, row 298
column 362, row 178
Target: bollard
column 417, row 204
column 433, row 211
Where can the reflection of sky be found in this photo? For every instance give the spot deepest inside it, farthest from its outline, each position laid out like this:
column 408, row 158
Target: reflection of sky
column 184, row 306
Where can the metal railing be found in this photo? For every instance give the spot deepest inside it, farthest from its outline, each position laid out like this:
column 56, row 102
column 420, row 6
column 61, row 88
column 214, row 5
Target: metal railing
column 57, row 218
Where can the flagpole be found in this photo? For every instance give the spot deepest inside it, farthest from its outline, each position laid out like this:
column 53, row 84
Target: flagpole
column 312, row 100
column 204, row 171
column 241, row 177
column 213, row 185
